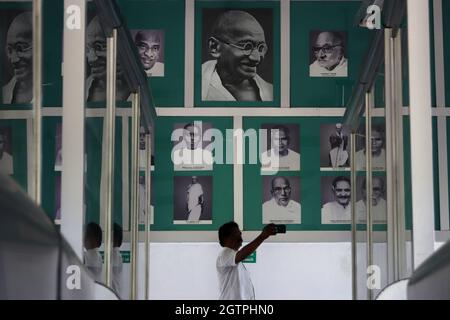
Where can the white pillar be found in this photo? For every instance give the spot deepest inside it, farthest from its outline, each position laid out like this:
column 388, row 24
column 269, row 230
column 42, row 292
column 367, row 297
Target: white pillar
column 421, row 133
column 72, row 180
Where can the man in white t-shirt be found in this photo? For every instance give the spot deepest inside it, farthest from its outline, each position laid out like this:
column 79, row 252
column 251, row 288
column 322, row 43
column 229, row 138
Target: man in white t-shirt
column 117, row 264
column 92, row 257
column 281, row 208
column 280, row 156
column 234, row 279
column 338, row 211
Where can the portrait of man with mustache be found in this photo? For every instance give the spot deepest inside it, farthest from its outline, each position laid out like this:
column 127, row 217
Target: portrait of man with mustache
column 338, row 211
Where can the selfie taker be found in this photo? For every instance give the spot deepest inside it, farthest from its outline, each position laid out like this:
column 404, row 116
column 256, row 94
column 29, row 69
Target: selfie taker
column 234, row 279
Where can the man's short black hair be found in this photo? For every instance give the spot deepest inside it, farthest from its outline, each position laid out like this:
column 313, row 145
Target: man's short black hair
column 283, row 128
column 93, row 231
column 117, row 235
column 225, row 231
column 340, row 178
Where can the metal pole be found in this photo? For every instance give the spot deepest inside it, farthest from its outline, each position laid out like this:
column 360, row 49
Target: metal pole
column 352, row 203
column 148, row 211
column 400, row 192
column 369, row 186
column 37, row 98
column 111, row 51
column 134, row 192
column 391, row 186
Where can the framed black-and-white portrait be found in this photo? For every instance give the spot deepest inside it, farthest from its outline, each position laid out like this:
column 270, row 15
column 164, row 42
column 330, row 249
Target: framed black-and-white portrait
column 334, row 147
column 237, row 54
column 192, row 197
column 281, row 147
column 58, row 147
column 150, row 47
column 95, row 83
column 328, row 53
column 336, row 192
column 378, row 147
column 281, row 200
column 16, row 34
column 143, row 151
column 379, row 204
column 190, row 149
column 143, row 202
column 58, row 197
column 6, row 154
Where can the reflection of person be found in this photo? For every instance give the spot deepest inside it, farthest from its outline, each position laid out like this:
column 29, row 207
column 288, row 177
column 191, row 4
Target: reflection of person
column 148, row 43
column 238, row 46
column 280, row 157
column 19, row 50
column 378, row 151
column 338, row 211
column 329, row 53
column 92, row 258
column 194, row 200
column 338, row 156
column 117, row 264
column 6, row 160
column 379, row 205
column 192, row 155
column 281, row 208
column 96, row 58
column 234, row 279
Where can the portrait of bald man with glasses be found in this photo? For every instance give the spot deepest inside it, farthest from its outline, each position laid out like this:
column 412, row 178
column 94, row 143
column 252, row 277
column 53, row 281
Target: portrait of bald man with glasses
column 280, row 206
column 19, row 54
column 238, row 46
column 328, row 54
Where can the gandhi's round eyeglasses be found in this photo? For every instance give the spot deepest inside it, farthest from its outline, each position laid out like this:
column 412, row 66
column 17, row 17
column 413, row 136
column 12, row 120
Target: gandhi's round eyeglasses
column 19, row 48
column 327, row 49
column 247, row 47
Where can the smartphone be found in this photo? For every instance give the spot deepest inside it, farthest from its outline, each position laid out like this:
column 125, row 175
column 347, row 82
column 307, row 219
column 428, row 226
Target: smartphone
column 280, row 228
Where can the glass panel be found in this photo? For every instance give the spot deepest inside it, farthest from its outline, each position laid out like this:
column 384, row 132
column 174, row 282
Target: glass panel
column 16, row 96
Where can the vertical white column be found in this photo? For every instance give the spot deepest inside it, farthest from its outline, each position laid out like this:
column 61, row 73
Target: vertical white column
column 421, row 134
column 72, row 180
column 285, row 48
column 189, row 54
column 37, row 99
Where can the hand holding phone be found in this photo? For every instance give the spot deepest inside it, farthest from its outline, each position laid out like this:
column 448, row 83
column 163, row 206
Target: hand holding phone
column 280, row 228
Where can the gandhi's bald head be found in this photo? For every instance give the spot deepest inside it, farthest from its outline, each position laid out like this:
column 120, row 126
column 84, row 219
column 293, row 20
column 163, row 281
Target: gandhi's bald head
column 235, row 24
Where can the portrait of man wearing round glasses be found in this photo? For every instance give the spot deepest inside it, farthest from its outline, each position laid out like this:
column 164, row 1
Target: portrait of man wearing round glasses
column 19, row 54
column 238, row 46
column 279, row 206
column 149, row 44
column 328, row 54
column 96, row 61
